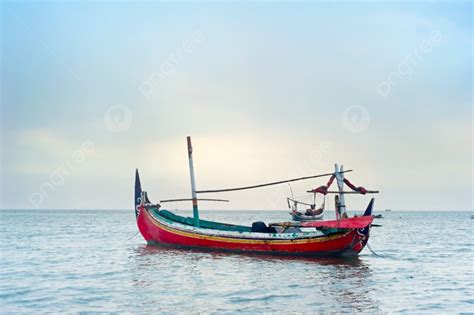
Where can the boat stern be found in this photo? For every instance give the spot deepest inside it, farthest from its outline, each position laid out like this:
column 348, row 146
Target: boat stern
column 138, row 193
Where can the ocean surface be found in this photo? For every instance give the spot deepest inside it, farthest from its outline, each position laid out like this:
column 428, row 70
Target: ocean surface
column 69, row 261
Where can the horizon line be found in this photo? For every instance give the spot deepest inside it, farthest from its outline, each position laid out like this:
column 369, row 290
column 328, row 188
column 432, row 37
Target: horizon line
column 177, row 209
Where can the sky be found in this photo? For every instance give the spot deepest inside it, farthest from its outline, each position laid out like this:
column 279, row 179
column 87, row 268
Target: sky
column 268, row 91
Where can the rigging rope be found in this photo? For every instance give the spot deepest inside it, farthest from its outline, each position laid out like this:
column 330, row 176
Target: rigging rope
column 134, row 235
column 373, row 252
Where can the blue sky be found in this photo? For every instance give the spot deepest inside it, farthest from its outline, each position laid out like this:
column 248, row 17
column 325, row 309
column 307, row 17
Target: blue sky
column 267, row 90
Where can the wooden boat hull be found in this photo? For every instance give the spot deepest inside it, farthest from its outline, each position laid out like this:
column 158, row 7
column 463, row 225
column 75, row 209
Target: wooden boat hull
column 157, row 230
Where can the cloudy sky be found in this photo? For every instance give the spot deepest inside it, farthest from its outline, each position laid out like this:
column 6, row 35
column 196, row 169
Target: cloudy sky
column 268, row 91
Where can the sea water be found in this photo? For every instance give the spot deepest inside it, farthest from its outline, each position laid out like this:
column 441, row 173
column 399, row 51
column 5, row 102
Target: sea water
column 68, row 261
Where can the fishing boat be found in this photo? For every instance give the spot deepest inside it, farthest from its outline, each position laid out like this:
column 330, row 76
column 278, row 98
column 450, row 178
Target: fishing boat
column 343, row 236
column 298, row 216
column 311, row 214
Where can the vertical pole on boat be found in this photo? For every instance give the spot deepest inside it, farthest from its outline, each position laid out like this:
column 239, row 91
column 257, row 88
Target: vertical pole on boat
column 340, row 184
column 193, row 183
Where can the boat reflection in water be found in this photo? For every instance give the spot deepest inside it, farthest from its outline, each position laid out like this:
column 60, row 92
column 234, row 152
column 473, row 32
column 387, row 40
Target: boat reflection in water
column 250, row 281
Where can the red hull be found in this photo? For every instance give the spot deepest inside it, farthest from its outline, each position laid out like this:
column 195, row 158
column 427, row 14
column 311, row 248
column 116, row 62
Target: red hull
column 348, row 241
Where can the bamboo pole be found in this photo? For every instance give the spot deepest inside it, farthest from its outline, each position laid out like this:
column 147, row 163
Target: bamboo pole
column 193, row 183
column 300, row 202
column 341, row 212
column 199, row 199
column 347, row 192
column 264, row 185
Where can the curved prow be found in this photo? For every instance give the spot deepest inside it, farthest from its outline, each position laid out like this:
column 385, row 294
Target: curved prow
column 370, row 207
column 138, row 192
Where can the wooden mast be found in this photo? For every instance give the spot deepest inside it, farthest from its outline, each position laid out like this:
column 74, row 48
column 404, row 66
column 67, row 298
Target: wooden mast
column 341, row 210
column 193, row 183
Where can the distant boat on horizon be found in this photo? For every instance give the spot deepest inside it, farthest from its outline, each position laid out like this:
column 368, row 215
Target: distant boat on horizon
column 388, row 210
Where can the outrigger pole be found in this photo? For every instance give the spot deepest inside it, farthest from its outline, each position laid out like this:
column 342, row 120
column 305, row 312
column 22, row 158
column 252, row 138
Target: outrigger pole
column 344, row 192
column 193, row 183
column 267, row 184
column 199, row 199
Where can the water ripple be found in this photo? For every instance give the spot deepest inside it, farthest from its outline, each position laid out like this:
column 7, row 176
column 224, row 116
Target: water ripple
column 86, row 261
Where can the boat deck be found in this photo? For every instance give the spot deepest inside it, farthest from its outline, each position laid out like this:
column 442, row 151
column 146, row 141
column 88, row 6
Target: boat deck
column 202, row 223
